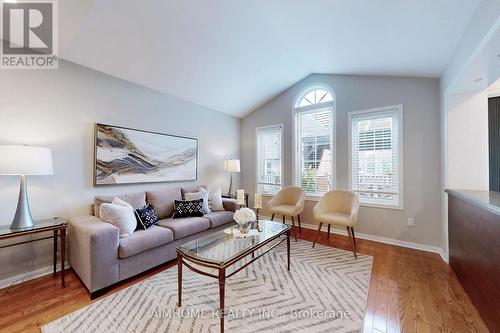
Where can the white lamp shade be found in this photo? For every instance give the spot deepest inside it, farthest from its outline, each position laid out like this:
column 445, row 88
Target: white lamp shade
column 232, row 165
column 25, row 160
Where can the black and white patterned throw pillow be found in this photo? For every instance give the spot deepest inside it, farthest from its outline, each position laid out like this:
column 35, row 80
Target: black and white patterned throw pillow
column 188, row 208
column 146, row 217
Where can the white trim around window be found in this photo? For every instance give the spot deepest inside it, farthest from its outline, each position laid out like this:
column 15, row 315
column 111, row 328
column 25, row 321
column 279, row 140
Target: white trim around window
column 319, row 107
column 396, row 111
column 261, row 131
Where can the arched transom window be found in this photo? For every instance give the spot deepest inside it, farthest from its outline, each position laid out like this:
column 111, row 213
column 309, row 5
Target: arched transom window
column 315, row 96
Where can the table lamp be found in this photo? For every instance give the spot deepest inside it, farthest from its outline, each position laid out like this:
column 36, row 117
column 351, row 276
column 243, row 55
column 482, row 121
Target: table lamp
column 231, row 166
column 24, row 161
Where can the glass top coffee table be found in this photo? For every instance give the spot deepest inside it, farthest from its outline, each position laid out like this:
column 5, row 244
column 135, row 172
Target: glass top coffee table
column 222, row 249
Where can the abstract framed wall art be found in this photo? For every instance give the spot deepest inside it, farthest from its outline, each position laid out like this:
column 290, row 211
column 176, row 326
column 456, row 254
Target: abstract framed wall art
column 129, row 156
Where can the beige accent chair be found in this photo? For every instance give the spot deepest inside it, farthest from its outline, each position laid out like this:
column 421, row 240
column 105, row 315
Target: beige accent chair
column 339, row 207
column 288, row 202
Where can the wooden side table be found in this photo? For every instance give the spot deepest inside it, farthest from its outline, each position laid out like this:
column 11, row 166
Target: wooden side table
column 57, row 226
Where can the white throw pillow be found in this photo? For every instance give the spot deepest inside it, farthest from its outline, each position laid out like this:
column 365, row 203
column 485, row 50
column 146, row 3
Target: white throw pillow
column 119, row 215
column 202, row 194
column 120, row 202
column 216, row 200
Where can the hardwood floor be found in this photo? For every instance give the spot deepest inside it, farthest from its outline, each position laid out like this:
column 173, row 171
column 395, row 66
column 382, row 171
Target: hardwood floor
column 410, row 291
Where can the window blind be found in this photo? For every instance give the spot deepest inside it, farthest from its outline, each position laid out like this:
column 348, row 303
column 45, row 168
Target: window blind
column 315, row 150
column 375, row 157
column 269, row 159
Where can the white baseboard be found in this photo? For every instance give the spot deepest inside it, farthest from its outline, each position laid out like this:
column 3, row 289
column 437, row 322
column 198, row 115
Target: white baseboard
column 13, row 280
column 444, row 255
column 380, row 239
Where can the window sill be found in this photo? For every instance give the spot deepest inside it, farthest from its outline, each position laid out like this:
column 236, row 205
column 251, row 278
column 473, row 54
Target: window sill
column 308, row 197
column 371, row 205
column 367, row 205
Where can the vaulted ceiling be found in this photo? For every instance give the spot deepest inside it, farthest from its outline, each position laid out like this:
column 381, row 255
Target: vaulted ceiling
column 234, row 55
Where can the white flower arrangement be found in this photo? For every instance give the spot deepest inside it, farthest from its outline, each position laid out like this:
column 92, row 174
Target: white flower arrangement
column 244, row 215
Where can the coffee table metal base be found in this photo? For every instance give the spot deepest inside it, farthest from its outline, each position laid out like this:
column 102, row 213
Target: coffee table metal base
column 183, row 260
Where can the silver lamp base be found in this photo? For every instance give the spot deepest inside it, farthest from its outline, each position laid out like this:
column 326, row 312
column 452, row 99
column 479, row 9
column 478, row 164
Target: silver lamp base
column 230, row 191
column 23, row 218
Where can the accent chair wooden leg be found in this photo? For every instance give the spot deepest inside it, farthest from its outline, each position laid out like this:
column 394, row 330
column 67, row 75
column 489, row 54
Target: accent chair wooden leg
column 353, row 237
column 272, row 217
column 351, row 241
column 317, row 234
column 300, row 227
column 328, row 235
column 293, row 226
column 283, row 219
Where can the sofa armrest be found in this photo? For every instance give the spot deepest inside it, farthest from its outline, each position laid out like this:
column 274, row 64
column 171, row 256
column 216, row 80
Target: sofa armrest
column 93, row 251
column 230, row 205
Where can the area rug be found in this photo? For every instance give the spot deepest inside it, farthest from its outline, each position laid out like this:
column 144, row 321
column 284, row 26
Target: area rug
column 325, row 291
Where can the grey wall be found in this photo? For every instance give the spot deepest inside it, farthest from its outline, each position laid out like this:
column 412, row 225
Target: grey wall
column 422, row 179
column 57, row 109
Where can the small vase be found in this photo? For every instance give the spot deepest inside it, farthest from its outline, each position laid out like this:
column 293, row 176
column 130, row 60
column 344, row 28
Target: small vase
column 244, row 228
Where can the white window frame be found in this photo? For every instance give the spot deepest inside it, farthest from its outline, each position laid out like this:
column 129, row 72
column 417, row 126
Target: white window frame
column 333, row 140
column 264, row 128
column 382, row 110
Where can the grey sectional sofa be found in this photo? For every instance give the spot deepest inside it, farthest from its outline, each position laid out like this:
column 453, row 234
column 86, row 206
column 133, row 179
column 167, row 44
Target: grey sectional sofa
column 101, row 258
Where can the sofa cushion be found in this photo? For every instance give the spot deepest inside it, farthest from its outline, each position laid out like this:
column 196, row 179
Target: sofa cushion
column 136, row 200
column 219, row 218
column 186, row 226
column 143, row 240
column 192, row 189
column 163, row 200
